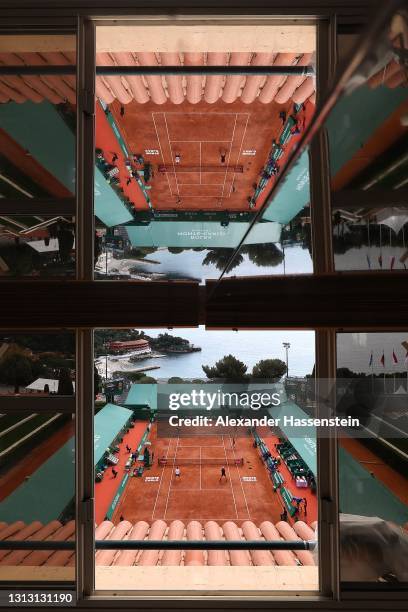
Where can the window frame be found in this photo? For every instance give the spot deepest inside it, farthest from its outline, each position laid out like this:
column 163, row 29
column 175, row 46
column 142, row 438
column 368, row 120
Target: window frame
column 325, row 338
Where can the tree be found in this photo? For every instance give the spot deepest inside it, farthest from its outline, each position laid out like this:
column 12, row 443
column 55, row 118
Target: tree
column 175, row 380
column 264, row 255
column 229, row 368
column 16, row 370
column 269, row 368
column 147, row 380
column 132, row 376
column 220, row 257
column 175, row 250
column 65, row 386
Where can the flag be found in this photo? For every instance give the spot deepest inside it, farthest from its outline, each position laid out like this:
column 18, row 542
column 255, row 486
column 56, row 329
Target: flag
column 394, row 357
column 392, row 263
column 380, row 260
column 382, row 360
column 371, row 359
column 369, row 262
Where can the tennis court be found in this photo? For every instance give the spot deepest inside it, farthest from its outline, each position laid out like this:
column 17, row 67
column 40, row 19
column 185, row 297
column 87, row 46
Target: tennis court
column 199, row 493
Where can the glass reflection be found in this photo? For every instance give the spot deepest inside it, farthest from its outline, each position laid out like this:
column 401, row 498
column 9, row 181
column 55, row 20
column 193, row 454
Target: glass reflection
column 37, row 117
column 34, row 245
column 184, row 162
column 37, row 496
column 369, row 162
column 373, row 467
column 40, row 364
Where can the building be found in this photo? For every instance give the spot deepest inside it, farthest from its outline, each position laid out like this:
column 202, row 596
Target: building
column 136, row 346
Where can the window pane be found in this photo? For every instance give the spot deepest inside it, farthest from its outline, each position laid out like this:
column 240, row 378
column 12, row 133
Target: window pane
column 373, row 462
column 280, row 242
column 37, row 117
column 37, row 246
column 184, row 162
column 37, row 476
column 368, row 160
column 219, row 481
column 37, row 159
column 37, row 364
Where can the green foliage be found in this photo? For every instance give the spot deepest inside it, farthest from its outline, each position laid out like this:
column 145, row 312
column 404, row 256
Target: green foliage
column 264, row 255
column 141, row 252
column 166, row 340
column 16, row 370
column 220, row 258
column 228, row 368
column 133, row 376
column 147, row 380
column 269, row 368
column 174, row 380
column 39, row 343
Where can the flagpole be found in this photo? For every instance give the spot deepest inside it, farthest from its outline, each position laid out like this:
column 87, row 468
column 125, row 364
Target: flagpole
column 383, row 364
column 406, row 364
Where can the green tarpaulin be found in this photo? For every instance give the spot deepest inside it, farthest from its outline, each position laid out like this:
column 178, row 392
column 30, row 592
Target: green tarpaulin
column 107, row 424
column 206, row 234
column 142, row 395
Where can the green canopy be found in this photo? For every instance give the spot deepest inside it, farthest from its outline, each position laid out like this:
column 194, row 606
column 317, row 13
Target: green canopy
column 141, row 396
column 107, row 424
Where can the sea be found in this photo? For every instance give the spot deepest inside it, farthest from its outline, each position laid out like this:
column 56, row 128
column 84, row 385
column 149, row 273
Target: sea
column 248, row 346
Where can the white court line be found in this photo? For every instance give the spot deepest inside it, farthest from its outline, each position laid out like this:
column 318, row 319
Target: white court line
column 203, row 184
column 200, row 468
column 204, row 446
column 224, row 141
column 171, row 154
column 197, row 196
column 239, row 154
column 161, row 152
column 184, row 171
column 200, row 168
column 161, row 480
column 202, row 113
column 240, row 481
column 171, row 475
column 229, row 157
column 229, row 476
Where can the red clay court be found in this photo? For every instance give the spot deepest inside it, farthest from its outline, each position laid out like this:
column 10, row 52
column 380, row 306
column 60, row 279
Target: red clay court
column 221, row 149
column 198, row 494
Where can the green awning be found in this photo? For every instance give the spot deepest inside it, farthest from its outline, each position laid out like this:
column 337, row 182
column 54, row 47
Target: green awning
column 141, row 395
column 107, row 424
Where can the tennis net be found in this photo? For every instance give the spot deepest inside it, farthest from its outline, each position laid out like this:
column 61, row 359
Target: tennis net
column 174, row 461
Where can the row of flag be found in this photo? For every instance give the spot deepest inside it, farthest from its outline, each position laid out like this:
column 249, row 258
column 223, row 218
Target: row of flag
column 380, row 262
column 394, row 358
